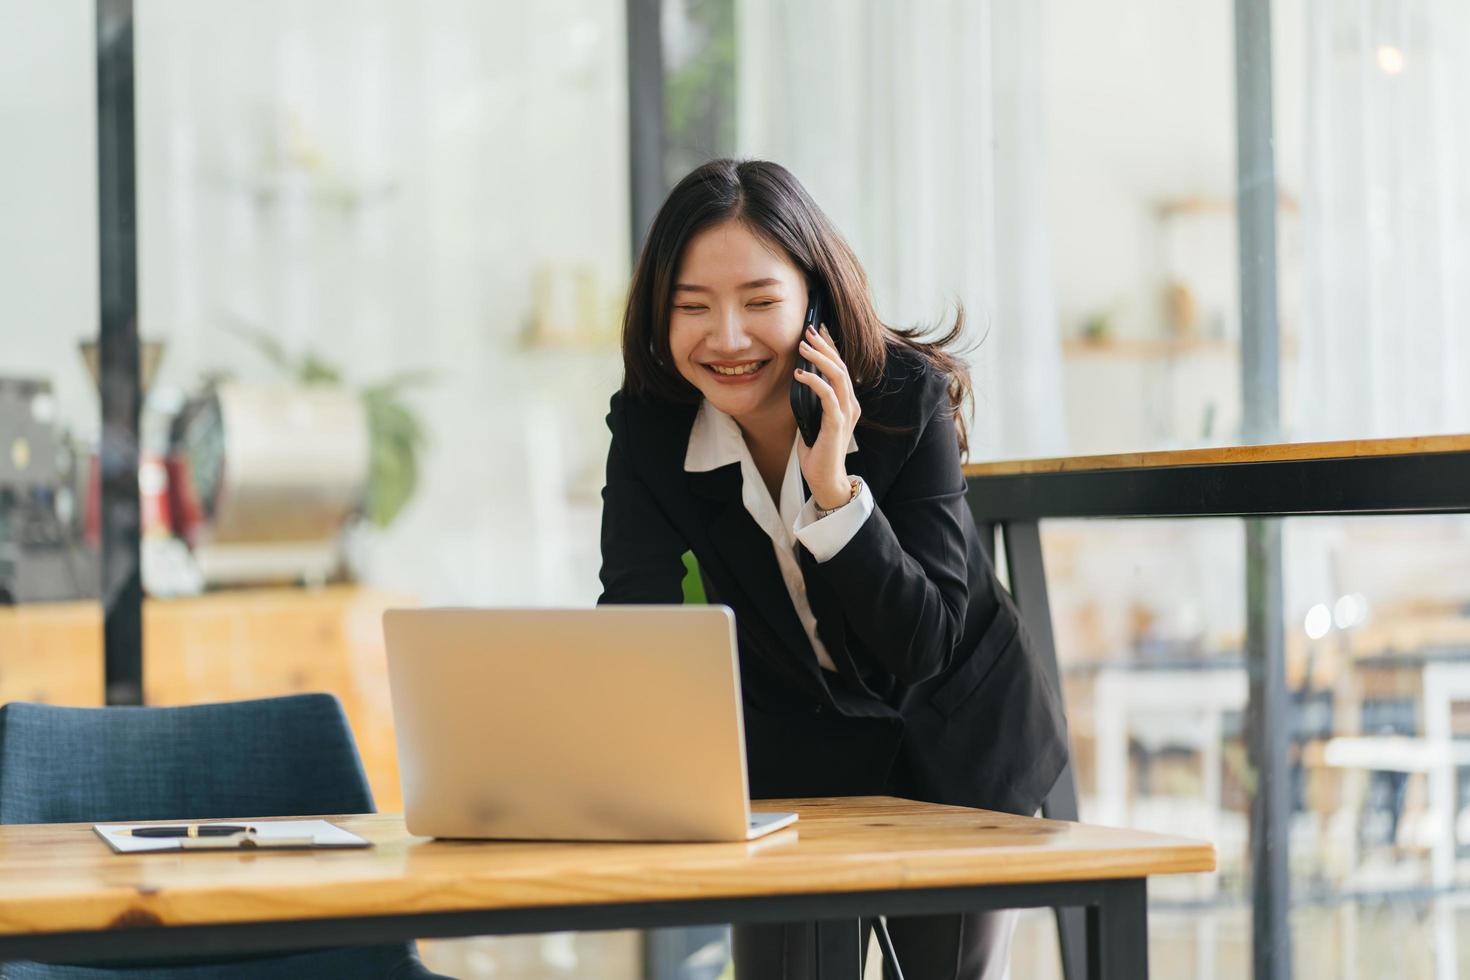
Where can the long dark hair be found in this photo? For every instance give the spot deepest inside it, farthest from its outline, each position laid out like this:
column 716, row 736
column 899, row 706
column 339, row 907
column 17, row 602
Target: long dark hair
column 768, row 200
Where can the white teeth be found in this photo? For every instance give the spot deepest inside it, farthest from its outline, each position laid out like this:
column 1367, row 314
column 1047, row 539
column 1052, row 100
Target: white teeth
column 742, row 369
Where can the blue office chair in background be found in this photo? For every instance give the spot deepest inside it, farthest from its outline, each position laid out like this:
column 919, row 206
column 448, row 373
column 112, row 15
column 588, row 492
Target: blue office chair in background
column 273, row 757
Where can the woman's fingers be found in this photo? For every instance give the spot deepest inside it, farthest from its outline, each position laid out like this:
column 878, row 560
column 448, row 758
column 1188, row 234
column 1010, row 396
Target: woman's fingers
column 823, row 341
column 830, row 363
column 832, row 407
column 821, row 360
column 826, row 336
column 822, row 463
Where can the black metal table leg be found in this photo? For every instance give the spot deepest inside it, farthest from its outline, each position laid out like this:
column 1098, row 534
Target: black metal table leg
column 1117, row 932
column 1071, row 933
column 1061, row 804
column 839, row 949
column 1028, row 586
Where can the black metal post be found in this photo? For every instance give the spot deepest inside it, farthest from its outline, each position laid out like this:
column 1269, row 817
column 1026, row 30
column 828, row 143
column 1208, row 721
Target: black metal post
column 1260, row 341
column 118, row 380
column 1268, row 731
column 1028, row 586
column 987, row 531
column 1117, row 933
column 645, row 117
column 839, row 949
column 1268, row 719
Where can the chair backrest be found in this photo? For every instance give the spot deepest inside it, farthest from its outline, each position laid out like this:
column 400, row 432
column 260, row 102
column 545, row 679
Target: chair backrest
column 272, row 757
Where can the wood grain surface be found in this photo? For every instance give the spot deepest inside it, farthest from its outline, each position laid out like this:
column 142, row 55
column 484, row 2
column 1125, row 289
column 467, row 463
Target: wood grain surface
column 1280, row 453
column 62, row 877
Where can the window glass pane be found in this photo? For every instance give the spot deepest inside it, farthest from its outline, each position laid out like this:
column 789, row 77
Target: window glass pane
column 1373, row 143
column 698, row 44
column 1377, row 647
column 1150, row 631
column 1138, row 106
column 1150, row 628
column 50, row 620
column 383, row 245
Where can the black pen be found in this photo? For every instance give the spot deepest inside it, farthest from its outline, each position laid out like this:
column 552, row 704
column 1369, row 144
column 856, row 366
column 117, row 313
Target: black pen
column 193, row 830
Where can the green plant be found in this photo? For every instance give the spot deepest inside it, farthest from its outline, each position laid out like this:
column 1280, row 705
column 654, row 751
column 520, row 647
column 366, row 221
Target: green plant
column 395, row 433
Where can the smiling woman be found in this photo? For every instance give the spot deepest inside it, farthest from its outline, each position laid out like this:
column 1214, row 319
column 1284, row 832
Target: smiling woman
column 878, row 653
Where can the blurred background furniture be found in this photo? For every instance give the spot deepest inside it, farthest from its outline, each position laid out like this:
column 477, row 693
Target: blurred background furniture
column 1173, row 706
column 272, row 757
column 223, row 646
column 1378, row 476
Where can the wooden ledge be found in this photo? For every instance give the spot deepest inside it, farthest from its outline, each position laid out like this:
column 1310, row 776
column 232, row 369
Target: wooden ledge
column 1225, row 456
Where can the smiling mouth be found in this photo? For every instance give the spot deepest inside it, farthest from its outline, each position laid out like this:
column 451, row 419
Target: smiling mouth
column 737, row 370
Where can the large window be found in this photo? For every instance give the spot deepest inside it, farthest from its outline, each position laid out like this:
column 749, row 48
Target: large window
column 383, row 246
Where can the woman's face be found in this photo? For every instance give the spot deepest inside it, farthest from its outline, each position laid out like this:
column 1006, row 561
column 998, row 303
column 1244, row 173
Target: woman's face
column 737, row 314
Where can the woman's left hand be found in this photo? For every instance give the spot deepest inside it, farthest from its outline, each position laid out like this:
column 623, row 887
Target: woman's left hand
column 824, row 463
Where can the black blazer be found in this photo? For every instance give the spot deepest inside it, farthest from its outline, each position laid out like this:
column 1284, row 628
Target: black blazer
column 937, row 692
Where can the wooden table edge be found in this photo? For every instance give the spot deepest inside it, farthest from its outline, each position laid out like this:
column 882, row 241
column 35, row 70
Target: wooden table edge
column 613, row 884
column 1224, row 456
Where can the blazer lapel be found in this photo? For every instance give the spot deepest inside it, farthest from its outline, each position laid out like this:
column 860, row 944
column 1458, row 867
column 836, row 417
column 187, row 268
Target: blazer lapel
column 746, row 552
column 831, row 623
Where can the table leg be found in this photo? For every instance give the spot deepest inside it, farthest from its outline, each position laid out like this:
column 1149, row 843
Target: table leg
column 1117, row 933
column 839, row 950
column 1028, row 586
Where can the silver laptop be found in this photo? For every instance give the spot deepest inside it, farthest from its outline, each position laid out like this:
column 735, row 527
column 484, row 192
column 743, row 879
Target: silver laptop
column 617, row 723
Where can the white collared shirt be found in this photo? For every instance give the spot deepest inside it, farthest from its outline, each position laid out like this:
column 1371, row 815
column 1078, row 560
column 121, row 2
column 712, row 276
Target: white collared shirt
column 716, row 441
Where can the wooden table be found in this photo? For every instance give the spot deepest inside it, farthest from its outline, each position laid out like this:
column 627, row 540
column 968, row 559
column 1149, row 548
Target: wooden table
column 65, row 896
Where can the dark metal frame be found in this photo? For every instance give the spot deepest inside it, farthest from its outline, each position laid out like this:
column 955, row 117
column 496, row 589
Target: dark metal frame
column 1425, row 483
column 1115, row 910
column 646, row 179
column 1028, row 586
column 1267, row 720
column 118, row 380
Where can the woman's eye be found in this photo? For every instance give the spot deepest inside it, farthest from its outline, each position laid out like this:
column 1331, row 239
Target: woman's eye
column 761, row 304
column 689, row 308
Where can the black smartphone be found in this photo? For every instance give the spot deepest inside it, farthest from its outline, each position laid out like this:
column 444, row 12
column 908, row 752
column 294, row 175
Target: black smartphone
column 805, row 404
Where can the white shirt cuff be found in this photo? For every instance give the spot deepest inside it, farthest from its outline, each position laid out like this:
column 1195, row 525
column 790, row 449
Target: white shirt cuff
column 829, row 535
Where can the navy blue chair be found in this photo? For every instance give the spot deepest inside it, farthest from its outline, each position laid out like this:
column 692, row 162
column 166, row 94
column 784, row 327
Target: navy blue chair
column 274, row 757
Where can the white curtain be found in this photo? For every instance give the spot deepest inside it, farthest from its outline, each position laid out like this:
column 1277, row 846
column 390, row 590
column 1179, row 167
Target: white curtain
column 918, row 129
column 1385, row 345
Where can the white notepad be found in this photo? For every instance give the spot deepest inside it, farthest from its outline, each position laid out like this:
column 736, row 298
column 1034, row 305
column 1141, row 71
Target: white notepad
column 268, row 834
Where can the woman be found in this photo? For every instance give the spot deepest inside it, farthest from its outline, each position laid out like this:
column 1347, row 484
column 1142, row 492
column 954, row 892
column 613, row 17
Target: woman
column 878, row 653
